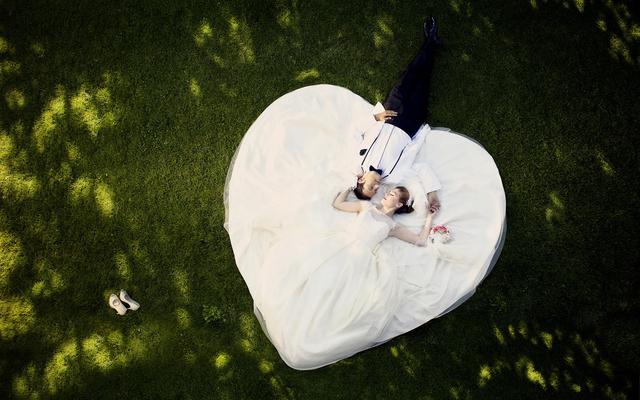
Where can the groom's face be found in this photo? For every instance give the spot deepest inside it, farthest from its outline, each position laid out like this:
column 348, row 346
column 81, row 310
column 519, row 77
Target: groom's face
column 370, row 183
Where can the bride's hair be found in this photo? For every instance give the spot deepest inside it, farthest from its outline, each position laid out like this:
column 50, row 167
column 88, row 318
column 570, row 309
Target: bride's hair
column 404, row 199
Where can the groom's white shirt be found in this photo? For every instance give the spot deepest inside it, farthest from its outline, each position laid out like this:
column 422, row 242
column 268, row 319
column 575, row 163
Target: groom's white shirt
column 390, row 149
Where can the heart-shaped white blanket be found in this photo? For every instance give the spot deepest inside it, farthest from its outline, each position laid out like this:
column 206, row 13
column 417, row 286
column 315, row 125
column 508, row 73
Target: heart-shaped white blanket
column 317, row 294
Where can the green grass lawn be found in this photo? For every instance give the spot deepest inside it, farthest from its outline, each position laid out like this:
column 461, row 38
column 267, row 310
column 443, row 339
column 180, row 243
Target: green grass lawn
column 118, row 120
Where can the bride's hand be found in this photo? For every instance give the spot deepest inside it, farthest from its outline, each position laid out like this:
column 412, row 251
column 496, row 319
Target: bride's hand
column 431, row 209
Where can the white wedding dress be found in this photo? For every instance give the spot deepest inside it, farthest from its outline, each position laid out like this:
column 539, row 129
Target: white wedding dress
column 332, row 283
column 327, row 284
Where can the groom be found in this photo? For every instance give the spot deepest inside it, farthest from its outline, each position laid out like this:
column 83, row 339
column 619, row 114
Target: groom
column 391, row 141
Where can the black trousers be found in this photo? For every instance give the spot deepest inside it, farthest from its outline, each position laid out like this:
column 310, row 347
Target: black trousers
column 410, row 93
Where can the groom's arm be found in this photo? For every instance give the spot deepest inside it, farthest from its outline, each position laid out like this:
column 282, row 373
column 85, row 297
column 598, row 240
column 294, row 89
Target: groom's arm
column 366, row 117
column 362, row 129
column 430, row 183
column 359, row 131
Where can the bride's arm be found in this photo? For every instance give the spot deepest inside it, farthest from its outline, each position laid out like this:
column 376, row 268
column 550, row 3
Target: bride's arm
column 342, row 204
column 403, row 233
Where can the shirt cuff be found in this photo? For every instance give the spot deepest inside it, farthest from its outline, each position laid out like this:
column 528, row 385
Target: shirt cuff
column 378, row 108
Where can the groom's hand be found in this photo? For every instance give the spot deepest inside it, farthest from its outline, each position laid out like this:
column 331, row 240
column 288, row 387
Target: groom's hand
column 385, row 115
column 434, row 202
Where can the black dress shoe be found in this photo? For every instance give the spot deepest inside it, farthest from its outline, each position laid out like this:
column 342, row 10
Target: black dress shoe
column 430, row 28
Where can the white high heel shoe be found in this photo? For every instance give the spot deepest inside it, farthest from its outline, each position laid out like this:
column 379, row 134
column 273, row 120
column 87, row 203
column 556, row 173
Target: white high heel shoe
column 124, row 296
column 116, row 304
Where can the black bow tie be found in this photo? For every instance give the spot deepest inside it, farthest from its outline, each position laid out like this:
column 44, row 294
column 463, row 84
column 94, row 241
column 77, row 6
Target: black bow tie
column 379, row 171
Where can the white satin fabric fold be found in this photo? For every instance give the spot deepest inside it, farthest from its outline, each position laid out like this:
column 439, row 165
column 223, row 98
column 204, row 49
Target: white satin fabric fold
column 320, row 293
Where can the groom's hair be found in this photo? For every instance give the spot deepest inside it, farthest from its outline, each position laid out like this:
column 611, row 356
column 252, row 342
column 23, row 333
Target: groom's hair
column 358, row 192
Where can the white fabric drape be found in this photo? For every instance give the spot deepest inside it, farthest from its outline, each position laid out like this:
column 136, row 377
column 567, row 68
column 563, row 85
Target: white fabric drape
column 290, row 165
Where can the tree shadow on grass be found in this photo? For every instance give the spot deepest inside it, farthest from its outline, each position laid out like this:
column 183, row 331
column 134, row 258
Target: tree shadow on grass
column 87, row 206
column 114, row 143
column 515, row 360
column 114, row 148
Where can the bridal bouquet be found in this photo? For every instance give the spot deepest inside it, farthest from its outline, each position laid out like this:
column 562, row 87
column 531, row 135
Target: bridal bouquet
column 440, row 233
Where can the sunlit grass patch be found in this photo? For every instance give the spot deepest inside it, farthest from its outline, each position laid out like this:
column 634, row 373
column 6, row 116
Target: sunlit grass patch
column 95, row 350
column 204, row 33
column 607, row 368
column 240, row 35
column 525, row 366
column 554, row 213
column 383, row 35
column 194, row 88
column 181, row 283
column 484, row 375
column 122, row 265
column 17, row 185
column 284, row 18
column 17, row 317
column 15, row 99
column 27, row 384
column 92, row 108
column 606, row 166
column 499, row 336
column 6, row 145
column 106, row 352
column 11, row 256
column 86, row 189
column 45, row 126
column 73, row 152
column 4, row 45
column 221, row 360
column 63, row 368
column 619, row 49
column 265, row 366
column 248, row 330
column 104, row 199
column 523, row 329
column 48, row 280
column 512, row 331
column 547, row 339
column 569, row 358
column 81, row 189
column 183, row 318
column 307, row 74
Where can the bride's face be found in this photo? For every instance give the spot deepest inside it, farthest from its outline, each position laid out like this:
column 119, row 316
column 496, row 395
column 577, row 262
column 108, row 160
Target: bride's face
column 391, row 199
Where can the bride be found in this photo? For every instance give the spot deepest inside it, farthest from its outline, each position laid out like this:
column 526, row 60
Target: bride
column 395, row 201
column 325, row 297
